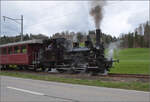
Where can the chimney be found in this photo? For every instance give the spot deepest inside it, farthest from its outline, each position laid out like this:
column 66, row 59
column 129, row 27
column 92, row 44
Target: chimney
column 98, row 37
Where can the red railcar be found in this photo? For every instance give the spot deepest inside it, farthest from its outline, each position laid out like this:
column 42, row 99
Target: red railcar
column 20, row 53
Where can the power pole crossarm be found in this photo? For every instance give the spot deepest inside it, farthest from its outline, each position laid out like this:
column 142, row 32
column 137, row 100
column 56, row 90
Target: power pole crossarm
column 10, row 18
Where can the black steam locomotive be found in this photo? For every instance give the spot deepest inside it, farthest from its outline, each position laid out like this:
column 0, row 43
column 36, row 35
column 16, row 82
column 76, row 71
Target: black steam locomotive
column 62, row 55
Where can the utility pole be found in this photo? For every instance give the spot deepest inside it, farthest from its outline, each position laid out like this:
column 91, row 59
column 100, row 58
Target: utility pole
column 15, row 20
column 21, row 27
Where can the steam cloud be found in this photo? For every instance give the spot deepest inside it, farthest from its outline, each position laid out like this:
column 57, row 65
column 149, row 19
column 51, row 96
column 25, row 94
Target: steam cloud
column 97, row 12
column 113, row 46
column 75, row 39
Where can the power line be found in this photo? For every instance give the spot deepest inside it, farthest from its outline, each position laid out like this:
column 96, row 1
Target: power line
column 15, row 20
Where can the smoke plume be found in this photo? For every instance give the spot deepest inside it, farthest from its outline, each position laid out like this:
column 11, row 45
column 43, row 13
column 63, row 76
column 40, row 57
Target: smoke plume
column 75, row 39
column 114, row 46
column 97, row 12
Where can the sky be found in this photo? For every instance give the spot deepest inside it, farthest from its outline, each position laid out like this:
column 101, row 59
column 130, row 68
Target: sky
column 49, row 17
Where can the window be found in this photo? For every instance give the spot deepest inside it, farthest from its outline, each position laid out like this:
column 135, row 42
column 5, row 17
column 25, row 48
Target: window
column 4, row 51
column 10, row 50
column 0, row 51
column 23, row 49
column 16, row 49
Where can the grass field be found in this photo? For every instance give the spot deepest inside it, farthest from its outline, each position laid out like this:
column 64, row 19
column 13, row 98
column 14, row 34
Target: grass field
column 134, row 85
column 132, row 61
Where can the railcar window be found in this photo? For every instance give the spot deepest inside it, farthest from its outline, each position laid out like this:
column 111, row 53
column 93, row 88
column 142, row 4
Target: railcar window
column 0, row 51
column 23, row 49
column 4, row 51
column 16, row 49
column 10, row 51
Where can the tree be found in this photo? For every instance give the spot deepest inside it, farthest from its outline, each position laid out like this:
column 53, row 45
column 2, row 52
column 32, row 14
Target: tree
column 136, row 39
column 140, row 29
column 130, row 40
column 147, row 34
column 79, row 36
column 26, row 37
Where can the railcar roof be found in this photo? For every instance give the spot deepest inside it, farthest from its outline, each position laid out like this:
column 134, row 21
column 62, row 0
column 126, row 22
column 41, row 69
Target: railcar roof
column 39, row 41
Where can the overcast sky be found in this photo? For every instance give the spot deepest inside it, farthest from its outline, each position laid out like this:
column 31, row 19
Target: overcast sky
column 49, row 17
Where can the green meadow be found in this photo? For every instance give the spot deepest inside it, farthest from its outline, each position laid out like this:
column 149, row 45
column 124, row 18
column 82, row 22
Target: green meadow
column 132, row 61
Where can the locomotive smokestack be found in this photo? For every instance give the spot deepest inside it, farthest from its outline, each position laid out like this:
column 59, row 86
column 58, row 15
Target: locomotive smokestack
column 98, row 37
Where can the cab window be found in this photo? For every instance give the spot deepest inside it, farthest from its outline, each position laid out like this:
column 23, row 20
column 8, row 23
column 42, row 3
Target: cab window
column 10, row 51
column 4, row 51
column 0, row 51
column 23, row 49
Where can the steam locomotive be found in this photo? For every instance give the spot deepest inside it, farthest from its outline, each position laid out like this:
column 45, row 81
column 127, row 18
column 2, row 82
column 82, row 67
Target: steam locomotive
column 59, row 54
column 64, row 56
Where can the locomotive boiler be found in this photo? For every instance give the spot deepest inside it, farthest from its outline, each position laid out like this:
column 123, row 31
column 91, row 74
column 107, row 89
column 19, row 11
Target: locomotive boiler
column 64, row 56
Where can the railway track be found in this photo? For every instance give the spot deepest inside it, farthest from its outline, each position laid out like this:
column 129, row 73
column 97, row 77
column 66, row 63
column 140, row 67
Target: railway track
column 117, row 75
column 129, row 75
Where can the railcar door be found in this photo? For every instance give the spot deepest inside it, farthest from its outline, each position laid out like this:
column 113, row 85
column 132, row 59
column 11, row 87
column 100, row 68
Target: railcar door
column 34, row 53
